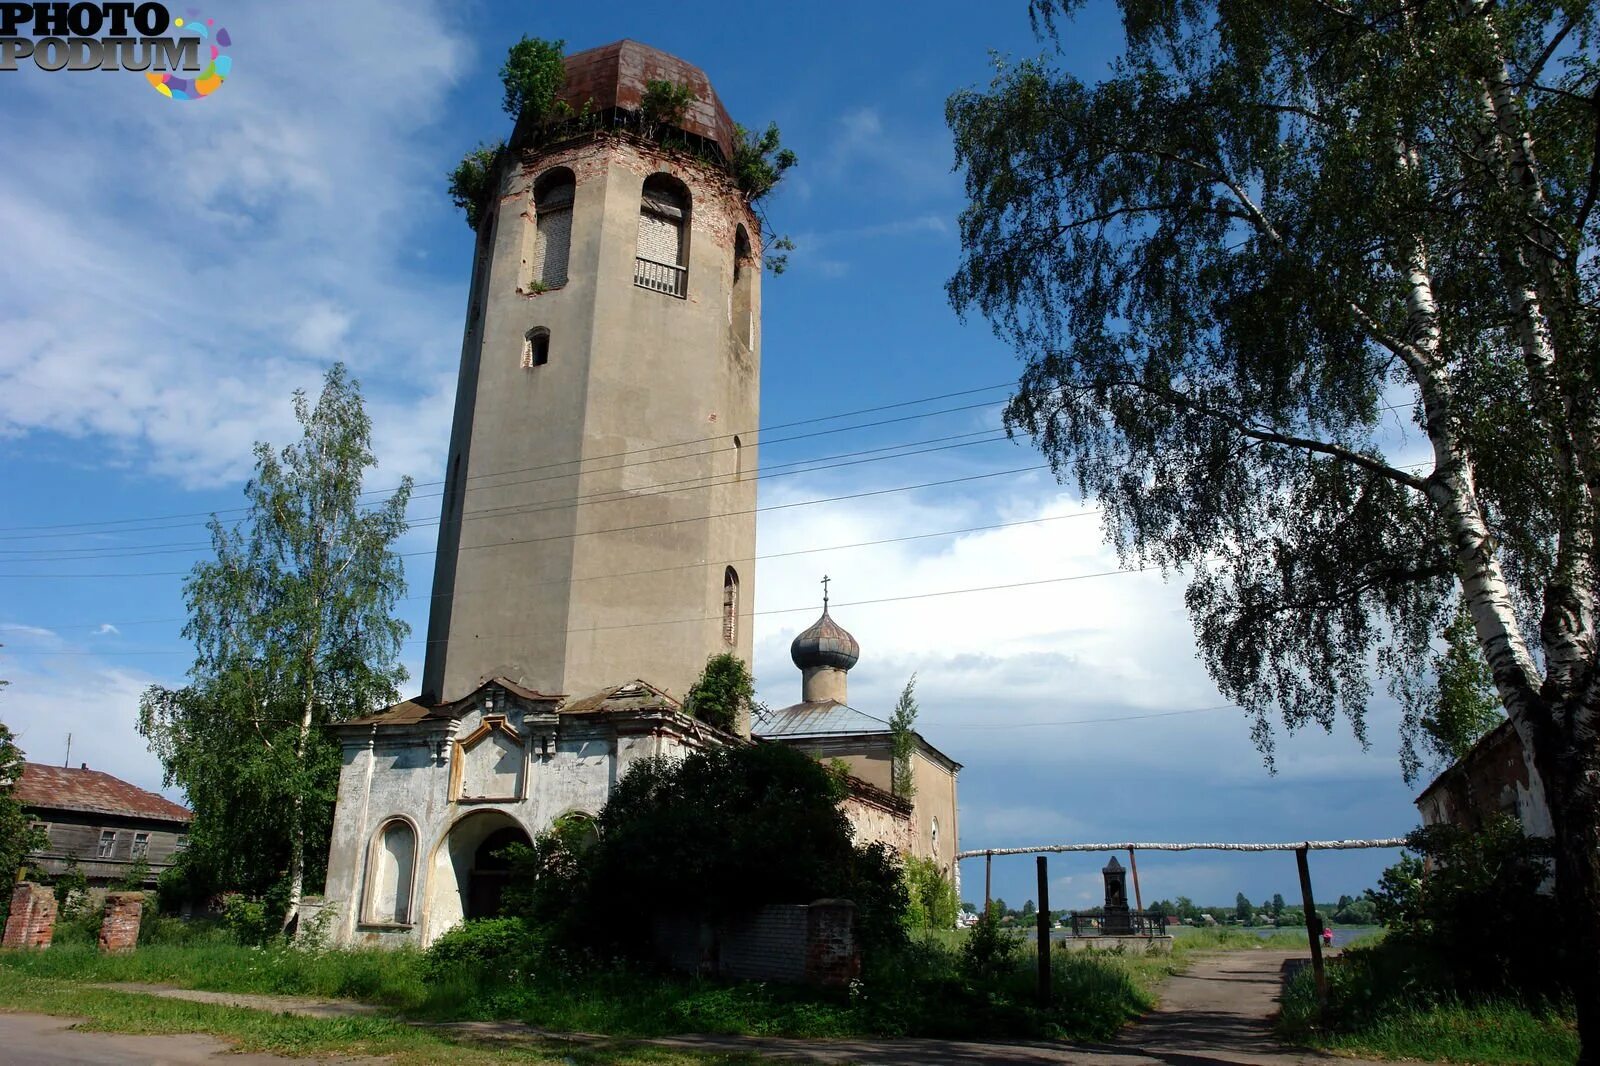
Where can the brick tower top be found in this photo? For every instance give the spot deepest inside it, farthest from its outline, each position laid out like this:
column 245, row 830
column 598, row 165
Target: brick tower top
column 611, row 79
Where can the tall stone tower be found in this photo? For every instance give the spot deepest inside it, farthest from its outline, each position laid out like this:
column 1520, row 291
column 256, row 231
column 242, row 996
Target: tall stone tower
column 598, row 520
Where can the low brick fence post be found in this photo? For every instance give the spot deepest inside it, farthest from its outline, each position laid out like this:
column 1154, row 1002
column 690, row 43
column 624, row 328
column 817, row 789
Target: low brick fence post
column 833, row 957
column 32, row 921
column 120, row 929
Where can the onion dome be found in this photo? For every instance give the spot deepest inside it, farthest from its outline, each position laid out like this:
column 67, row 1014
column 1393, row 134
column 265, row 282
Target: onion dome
column 825, row 644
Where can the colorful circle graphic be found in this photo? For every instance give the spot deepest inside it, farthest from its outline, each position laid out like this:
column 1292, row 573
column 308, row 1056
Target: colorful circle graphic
column 216, row 71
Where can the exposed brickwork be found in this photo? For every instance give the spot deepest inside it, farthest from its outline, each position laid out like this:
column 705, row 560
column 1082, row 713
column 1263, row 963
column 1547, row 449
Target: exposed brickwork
column 833, row 957
column 32, row 921
column 120, row 929
column 794, row 943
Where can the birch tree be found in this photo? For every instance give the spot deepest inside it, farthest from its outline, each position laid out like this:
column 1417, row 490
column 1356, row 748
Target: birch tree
column 293, row 631
column 1306, row 294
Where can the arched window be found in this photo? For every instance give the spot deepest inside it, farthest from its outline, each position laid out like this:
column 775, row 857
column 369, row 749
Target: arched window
column 662, row 257
column 738, row 460
column 535, row 347
column 740, row 317
column 552, row 203
column 391, row 872
column 730, row 606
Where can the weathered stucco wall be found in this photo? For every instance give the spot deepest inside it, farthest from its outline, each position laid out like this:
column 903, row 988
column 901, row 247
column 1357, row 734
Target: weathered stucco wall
column 416, row 774
column 593, row 503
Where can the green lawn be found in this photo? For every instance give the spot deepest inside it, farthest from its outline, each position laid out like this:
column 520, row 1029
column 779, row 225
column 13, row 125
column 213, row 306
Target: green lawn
column 263, row 1031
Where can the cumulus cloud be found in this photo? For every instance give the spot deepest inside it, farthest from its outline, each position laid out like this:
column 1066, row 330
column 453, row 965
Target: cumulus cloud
column 230, row 250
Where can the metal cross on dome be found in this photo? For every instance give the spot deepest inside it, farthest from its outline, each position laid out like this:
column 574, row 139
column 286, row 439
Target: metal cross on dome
column 825, row 580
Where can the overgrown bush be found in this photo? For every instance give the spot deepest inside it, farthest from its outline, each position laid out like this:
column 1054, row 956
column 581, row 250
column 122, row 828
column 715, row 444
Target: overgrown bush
column 720, row 832
column 664, row 104
column 759, row 161
column 248, row 921
column 989, row 949
column 1473, row 906
column 932, row 900
column 532, row 75
column 723, row 693
column 489, row 949
column 470, row 181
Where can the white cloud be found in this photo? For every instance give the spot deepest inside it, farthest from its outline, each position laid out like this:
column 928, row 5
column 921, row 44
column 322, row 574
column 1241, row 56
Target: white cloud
column 107, row 630
column 231, row 248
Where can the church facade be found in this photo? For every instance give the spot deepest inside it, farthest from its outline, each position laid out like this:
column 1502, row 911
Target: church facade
column 597, row 534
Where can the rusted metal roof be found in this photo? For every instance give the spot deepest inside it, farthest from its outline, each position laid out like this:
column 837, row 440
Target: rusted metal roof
column 407, row 713
column 816, row 718
column 61, row 788
column 410, row 712
column 633, row 696
column 615, row 75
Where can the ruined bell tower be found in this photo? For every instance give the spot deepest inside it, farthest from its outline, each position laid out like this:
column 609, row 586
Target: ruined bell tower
column 598, row 518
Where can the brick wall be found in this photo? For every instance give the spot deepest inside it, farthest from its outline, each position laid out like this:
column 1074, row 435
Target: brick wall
column 794, row 943
column 120, row 929
column 32, row 921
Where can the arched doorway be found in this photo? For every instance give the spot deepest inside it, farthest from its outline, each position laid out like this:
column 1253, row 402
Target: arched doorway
column 486, row 880
column 467, row 874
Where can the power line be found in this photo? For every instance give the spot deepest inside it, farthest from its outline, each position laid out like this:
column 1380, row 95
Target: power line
column 40, row 531
column 699, row 618
column 801, row 466
column 623, row 529
column 661, row 569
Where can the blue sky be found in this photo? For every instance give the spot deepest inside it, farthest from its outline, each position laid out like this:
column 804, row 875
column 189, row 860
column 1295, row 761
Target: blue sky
column 174, row 271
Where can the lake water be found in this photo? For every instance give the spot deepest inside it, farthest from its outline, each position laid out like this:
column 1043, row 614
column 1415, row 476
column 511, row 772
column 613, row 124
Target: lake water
column 1342, row 935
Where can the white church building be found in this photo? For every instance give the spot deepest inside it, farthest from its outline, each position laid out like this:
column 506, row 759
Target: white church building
column 597, row 536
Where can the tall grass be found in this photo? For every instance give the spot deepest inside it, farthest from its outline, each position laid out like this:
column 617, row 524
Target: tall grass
column 1392, row 1001
column 389, row 978
column 921, row 990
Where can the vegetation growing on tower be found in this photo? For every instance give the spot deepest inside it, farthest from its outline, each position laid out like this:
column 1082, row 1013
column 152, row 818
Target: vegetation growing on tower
column 533, row 76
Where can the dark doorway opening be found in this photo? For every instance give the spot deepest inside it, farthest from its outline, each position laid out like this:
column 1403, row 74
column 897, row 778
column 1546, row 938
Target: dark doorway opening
column 486, row 882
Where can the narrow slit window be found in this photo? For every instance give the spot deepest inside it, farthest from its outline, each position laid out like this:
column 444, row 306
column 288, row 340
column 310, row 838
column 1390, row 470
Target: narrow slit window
column 740, row 314
column 730, row 606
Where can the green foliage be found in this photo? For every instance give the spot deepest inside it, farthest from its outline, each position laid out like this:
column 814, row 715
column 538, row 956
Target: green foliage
column 989, row 950
column 903, row 740
column 729, row 829
column 1242, row 908
column 663, row 106
column 248, row 921
column 724, row 693
column 1397, row 1000
column 294, row 630
column 17, row 834
column 133, row 877
column 1472, row 908
column 931, row 895
column 1357, row 912
column 473, row 179
column 759, row 161
column 548, row 877
column 1447, row 718
column 533, row 74
column 717, row 833
column 1226, row 259
column 72, row 889
column 493, row 950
